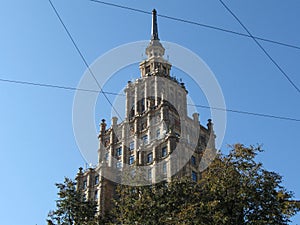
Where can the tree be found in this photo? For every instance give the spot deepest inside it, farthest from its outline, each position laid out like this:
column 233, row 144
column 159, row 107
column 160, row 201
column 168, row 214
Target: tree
column 72, row 208
column 235, row 189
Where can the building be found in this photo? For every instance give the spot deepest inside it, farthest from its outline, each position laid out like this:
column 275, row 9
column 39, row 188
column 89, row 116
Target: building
column 157, row 138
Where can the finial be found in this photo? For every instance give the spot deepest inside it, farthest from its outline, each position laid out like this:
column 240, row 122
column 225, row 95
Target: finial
column 154, row 33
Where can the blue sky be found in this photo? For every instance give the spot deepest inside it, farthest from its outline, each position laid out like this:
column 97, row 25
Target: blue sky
column 37, row 144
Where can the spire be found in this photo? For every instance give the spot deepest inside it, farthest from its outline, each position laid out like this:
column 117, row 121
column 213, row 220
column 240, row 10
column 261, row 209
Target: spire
column 155, row 64
column 154, row 32
column 155, row 48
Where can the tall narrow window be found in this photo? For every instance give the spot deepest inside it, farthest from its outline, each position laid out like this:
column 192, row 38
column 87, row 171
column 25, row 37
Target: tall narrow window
column 119, row 151
column 150, row 158
column 106, row 156
column 164, row 168
column 145, row 139
column 84, row 184
column 119, row 165
column 164, row 151
column 131, row 159
column 147, row 69
column 143, row 105
column 194, row 176
column 158, row 133
column 131, row 145
column 96, row 179
column 193, row 160
column 150, row 174
column 96, row 195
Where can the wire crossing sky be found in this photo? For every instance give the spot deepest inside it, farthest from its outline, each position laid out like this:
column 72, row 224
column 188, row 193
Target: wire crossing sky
column 197, row 24
column 262, row 48
column 83, row 59
column 118, row 94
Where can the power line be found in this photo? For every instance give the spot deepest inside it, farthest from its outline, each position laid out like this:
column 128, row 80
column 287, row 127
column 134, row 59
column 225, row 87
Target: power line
column 261, row 47
column 83, row 58
column 55, row 86
column 247, row 113
column 197, row 24
column 118, row 94
column 172, row 18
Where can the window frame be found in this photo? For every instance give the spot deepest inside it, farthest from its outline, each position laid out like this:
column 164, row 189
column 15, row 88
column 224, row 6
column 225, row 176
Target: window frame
column 164, row 151
column 131, row 159
column 96, row 182
column 150, row 157
column 119, row 151
column 194, row 176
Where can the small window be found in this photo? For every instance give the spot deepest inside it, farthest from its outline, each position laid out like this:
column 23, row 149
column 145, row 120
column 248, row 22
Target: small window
column 143, row 105
column 96, row 179
column 150, row 174
column 163, row 151
column 145, row 139
column 84, row 184
column 131, row 130
column 119, row 151
column 147, row 69
column 164, row 70
column 132, row 173
column 193, row 160
column 96, row 195
column 106, row 156
column 164, row 168
column 150, row 158
column 131, row 159
column 119, row 165
column 194, row 176
column 158, row 133
column 131, row 145
column 106, row 142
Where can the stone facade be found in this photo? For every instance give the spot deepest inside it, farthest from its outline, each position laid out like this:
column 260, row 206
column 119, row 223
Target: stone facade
column 156, row 135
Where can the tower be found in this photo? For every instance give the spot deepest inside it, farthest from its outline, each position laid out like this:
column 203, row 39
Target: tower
column 156, row 138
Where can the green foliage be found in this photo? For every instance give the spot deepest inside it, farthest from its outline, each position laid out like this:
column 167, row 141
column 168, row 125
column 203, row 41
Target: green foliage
column 235, row 189
column 71, row 207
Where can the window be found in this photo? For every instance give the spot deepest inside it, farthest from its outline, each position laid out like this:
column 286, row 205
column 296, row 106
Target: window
column 84, row 184
column 131, row 145
column 106, row 142
column 96, row 195
column 143, row 105
column 164, row 70
column 163, row 151
column 150, row 158
column 147, row 69
column 119, row 165
column 194, row 176
column 158, row 133
column 119, row 151
column 145, row 139
column 96, row 179
column 131, row 130
column 193, row 160
column 150, row 174
column 164, row 168
column 132, row 173
column 188, row 138
column 131, row 159
column 106, row 156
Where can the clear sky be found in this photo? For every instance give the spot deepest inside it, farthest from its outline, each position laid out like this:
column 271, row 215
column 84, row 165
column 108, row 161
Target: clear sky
column 37, row 144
